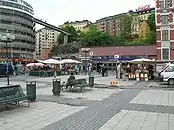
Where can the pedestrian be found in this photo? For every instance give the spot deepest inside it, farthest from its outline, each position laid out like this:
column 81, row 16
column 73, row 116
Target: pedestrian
column 119, row 71
column 103, row 71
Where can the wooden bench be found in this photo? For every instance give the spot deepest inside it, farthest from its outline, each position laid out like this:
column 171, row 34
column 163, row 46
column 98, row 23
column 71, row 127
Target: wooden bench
column 12, row 94
column 77, row 83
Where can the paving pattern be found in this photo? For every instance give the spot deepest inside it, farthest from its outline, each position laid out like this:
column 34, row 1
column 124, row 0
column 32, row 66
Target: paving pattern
column 38, row 115
column 137, row 107
column 155, row 97
column 137, row 120
column 96, row 115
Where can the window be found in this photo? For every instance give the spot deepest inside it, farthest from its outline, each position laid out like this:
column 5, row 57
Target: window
column 162, row 4
column 166, row 4
column 164, row 19
column 165, row 35
column 165, row 54
column 170, row 69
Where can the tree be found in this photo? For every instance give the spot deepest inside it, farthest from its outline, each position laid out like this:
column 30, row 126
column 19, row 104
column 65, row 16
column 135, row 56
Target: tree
column 126, row 26
column 72, row 31
column 152, row 25
column 151, row 22
column 144, row 30
column 95, row 38
column 66, row 48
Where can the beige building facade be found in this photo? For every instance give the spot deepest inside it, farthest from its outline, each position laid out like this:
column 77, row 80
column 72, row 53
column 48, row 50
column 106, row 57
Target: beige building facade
column 78, row 25
column 139, row 16
column 45, row 39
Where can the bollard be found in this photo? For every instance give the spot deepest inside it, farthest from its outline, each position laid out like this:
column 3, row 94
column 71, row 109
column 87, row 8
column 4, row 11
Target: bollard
column 31, row 90
column 146, row 77
column 91, row 81
column 56, row 87
column 137, row 77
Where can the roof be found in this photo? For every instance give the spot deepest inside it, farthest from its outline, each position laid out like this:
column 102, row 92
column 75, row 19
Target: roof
column 124, row 51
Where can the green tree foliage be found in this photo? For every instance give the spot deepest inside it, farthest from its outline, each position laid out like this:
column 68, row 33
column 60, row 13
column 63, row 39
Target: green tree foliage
column 72, row 31
column 151, row 22
column 66, row 48
column 95, row 38
column 126, row 26
column 152, row 25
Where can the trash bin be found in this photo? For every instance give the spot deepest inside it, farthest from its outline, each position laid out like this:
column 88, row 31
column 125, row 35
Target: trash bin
column 56, row 87
column 106, row 74
column 91, row 81
column 31, row 90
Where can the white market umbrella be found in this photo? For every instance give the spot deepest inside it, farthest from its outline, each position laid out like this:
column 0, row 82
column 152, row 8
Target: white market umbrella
column 35, row 64
column 70, row 61
column 52, row 61
column 142, row 61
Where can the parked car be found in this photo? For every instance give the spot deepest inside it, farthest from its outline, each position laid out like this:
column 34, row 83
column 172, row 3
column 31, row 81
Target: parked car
column 4, row 67
column 168, row 74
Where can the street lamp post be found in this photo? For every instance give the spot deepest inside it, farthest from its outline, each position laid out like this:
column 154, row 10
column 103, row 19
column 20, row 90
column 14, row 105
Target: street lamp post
column 7, row 39
column 85, row 50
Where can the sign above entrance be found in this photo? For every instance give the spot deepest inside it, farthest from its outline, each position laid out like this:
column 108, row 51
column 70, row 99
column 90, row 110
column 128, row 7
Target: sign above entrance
column 116, row 56
column 91, row 53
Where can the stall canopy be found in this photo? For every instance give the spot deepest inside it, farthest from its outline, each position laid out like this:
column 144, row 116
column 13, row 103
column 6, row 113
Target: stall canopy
column 52, row 61
column 143, row 61
column 35, row 64
column 70, row 61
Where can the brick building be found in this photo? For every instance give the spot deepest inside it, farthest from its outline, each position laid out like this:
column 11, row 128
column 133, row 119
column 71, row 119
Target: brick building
column 164, row 30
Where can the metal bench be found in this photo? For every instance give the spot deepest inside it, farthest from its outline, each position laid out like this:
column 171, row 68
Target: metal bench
column 77, row 83
column 12, row 94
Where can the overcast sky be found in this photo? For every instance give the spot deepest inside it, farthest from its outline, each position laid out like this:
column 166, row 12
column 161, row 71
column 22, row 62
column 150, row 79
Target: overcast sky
column 57, row 12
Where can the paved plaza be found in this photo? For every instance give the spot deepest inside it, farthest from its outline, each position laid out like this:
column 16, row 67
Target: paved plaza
column 132, row 106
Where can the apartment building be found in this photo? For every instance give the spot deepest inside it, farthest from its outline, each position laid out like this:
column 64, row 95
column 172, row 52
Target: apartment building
column 165, row 30
column 78, row 25
column 141, row 14
column 45, row 39
column 110, row 25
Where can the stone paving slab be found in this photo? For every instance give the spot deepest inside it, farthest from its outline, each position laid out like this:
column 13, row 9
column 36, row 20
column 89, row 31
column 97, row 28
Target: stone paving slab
column 155, row 97
column 137, row 120
column 150, row 108
column 63, row 100
column 97, row 94
column 96, row 115
column 37, row 116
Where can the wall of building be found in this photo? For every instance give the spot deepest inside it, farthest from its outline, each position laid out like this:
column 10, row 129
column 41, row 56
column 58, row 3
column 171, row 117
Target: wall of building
column 164, row 30
column 111, row 24
column 45, row 39
column 78, row 25
column 16, row 18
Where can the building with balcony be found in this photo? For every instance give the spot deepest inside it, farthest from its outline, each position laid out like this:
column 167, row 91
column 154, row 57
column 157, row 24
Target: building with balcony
column 139, row 16
column 165, row 30
column 112, row 24
column 45, row 39
column 16, row 18
column 107, row 25
column 78, row 25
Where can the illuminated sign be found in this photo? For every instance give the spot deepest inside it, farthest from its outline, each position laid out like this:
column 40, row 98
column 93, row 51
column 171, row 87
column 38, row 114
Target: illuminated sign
column 144, row 8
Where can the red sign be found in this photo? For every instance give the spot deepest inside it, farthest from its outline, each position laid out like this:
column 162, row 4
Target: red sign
column 144, row 8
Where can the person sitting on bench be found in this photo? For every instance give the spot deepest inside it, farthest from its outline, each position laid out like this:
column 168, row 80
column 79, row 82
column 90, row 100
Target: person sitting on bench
column 72, row 77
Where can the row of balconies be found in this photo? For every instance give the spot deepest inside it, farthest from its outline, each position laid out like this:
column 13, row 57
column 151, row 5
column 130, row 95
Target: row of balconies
column 17, row 45
column 16, row 19
column 13, row 27
column 21, row 37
